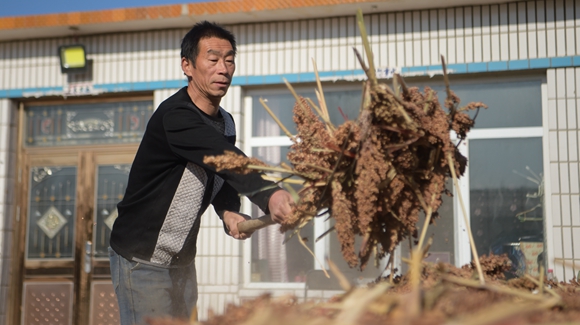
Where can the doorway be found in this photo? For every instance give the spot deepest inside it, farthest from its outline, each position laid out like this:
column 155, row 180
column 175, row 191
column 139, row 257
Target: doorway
column 74, row 168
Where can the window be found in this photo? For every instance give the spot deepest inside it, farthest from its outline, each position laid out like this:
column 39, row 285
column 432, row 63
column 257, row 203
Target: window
column 502, row 188
column 504, row 175
column 79, row 124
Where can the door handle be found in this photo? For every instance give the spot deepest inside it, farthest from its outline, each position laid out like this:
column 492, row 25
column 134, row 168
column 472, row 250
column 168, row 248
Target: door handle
column 88, row 256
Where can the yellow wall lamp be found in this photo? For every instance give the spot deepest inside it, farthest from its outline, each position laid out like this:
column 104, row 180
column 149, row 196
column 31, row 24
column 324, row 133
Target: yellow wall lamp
column 73, row 58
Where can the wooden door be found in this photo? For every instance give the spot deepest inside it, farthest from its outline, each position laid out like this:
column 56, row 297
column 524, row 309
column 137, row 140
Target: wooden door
column 70, row 206
column 72, row 167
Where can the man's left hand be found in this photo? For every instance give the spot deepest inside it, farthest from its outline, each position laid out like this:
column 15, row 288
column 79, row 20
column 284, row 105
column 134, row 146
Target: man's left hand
column 231, row 219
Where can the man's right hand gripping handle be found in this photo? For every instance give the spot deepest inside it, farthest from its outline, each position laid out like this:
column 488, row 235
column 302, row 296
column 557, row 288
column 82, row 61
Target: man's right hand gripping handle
column 280, row 205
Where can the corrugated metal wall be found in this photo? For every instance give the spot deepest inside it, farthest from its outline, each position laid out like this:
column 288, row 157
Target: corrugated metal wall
column 491, row 33
column 514, row 31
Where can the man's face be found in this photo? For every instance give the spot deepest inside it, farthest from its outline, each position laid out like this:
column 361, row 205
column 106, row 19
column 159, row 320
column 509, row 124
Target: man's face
column 214, row 67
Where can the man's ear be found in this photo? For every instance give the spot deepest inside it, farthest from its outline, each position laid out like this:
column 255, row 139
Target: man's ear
column 186, row 67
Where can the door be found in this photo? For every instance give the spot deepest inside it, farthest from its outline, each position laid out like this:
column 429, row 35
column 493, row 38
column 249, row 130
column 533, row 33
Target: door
column 71, row 208
column 74, row 168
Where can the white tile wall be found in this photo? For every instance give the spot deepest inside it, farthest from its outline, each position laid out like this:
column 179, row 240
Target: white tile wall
column 575, row 208
column 556, row 210
column 563, row 85
column 573, row 149
column 160, row 95
column 574, row 182
column 7, row 179
column 566, row 215
column 571, row 109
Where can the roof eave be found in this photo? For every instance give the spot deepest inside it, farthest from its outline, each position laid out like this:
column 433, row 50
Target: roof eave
column 185, row 15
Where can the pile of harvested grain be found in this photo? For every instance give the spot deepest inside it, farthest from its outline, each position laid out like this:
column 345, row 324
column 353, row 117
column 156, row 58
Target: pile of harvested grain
column 448, row 295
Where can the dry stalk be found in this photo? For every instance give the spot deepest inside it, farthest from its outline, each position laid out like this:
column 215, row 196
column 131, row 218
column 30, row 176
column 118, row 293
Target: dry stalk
column 321, row 99
column 471, row 240
column 502, row 312
column 357, row 302
column 371, row 72
column 540, row 285
column 320, row 113
column 541, row 280
column 415, row 279
column 446, row 80
column 285, row 180
column 300, row 103
column 342, row 280
column 311, row 253
column 505, row 290
column 288, row 134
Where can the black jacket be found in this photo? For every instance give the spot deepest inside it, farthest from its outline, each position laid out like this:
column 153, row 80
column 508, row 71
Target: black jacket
column 170, row 187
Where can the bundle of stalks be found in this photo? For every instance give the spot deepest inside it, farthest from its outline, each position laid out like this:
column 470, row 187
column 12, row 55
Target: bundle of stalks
column 373, row 175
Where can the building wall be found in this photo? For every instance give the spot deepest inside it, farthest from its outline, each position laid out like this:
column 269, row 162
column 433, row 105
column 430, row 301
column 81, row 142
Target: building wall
column 508, row 38
column 7, row 197
column 474, row 38
column 563, row 102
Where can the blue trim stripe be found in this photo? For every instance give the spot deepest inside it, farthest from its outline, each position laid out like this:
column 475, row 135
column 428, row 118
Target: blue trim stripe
column 519, row 64
column 562, row 62
column 540, row 63
column 477, row 67
column 459, row 68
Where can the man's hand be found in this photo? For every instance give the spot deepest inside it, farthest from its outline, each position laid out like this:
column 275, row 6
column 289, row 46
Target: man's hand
column 280, row 205
column 231, row 219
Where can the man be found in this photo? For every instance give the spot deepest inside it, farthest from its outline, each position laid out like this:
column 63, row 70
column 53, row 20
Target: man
column 153, row 242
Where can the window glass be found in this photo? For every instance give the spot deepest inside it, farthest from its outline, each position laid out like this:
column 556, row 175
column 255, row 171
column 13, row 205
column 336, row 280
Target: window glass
column 51, row 212
column 272, row 260
column 341, row 105
column 111, row 184
column 506, row 196
column 77, row 124
column 510, row 104
column 441, row 231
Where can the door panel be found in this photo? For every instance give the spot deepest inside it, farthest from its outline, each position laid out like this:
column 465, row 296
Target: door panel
column 111, row 184
column 51, row 213
column 48, row 302
column 71, row 207
column 104, row 307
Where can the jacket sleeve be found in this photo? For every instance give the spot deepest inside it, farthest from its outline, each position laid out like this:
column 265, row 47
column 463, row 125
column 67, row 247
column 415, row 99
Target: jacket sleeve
column 190, row 138
column 227, row 199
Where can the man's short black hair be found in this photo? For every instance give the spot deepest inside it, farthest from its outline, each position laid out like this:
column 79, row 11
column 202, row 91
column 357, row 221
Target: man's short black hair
column 204, row 29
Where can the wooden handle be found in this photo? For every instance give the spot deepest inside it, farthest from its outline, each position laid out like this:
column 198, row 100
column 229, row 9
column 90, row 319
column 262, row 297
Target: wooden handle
column 252, row 225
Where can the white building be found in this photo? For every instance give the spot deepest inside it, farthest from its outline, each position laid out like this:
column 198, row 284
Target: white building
column 67, row 139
